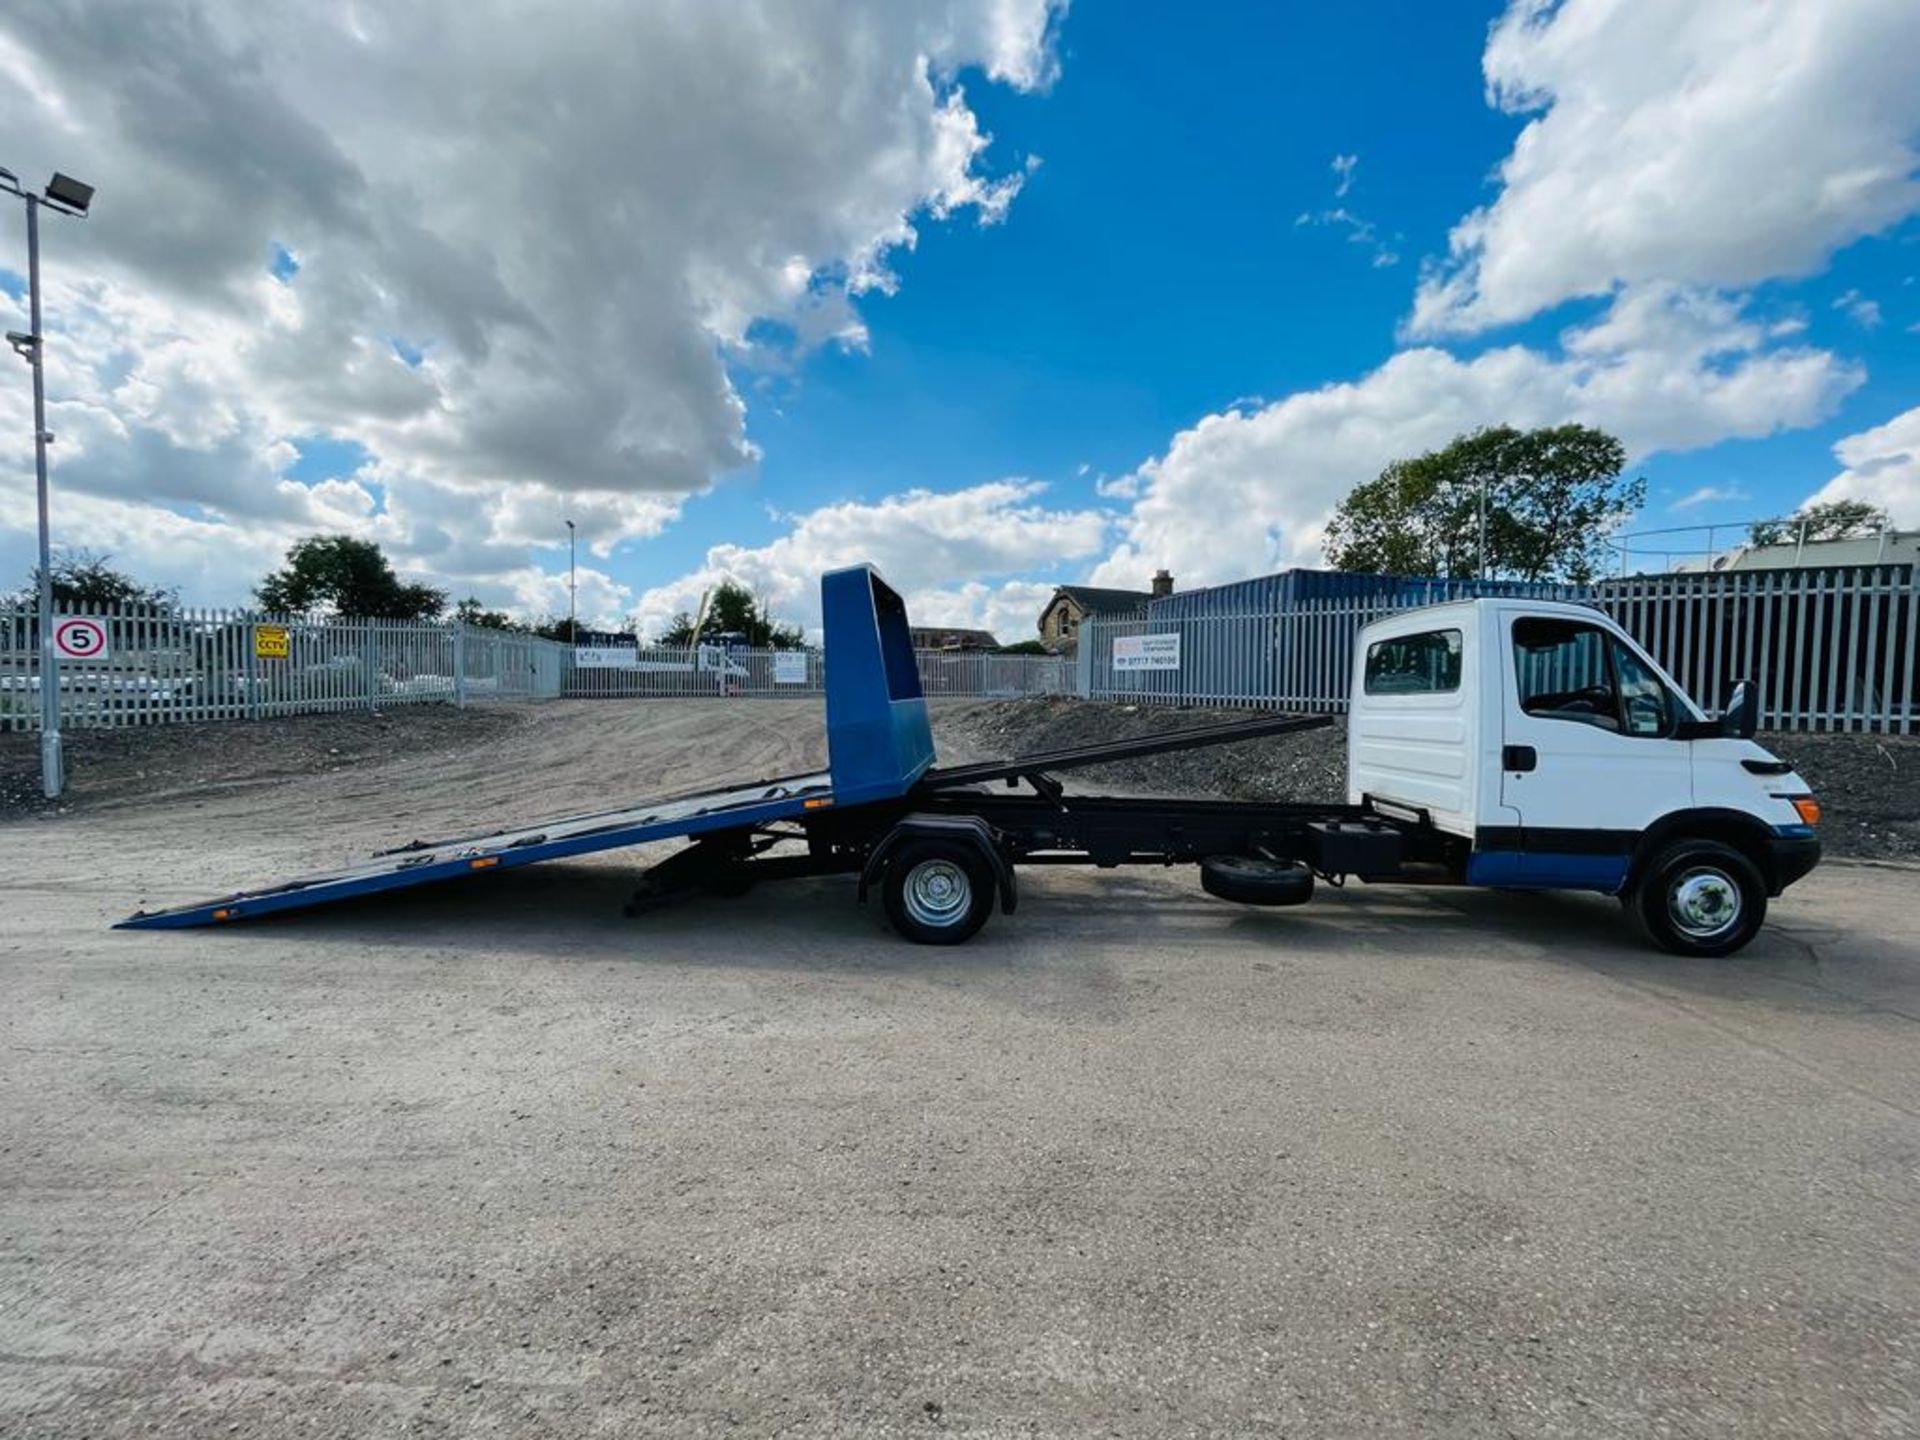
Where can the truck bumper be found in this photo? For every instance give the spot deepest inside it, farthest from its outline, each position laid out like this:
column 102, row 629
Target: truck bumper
column 1790, row 855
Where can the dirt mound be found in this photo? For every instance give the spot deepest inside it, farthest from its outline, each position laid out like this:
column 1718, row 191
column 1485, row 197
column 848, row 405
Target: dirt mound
column 1310, row 766
column 154, row 762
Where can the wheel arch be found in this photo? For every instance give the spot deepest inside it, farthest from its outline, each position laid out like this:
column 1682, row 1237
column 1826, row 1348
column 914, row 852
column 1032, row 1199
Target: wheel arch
column 1736, row 828
column 969, row 830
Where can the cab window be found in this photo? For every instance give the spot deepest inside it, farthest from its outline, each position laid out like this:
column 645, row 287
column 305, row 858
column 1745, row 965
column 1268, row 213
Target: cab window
column 1423, row 664
column 1569, row 670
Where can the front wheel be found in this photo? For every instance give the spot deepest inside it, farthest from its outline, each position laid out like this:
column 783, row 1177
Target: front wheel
column 937, row 893
column 1699, row 897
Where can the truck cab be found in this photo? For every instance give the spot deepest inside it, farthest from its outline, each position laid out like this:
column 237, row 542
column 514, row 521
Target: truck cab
column 1561, row 756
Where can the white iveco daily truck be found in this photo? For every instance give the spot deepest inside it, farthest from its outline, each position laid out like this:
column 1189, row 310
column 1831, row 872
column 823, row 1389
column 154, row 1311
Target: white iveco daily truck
column 1543, row 737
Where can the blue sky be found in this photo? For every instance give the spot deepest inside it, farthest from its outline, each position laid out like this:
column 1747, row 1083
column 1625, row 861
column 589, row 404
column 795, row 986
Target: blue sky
column 1152, row 272
column 1216, row 265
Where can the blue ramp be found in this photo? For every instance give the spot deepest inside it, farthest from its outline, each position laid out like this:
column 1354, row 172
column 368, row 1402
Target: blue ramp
column 879, row 744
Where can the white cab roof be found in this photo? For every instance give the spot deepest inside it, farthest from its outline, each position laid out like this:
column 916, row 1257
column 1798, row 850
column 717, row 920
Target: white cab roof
column 1467, row 612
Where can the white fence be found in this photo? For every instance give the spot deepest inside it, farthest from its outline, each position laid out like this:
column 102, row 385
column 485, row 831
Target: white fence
column 623, row 671
column 1829, row 649
column 166, row 665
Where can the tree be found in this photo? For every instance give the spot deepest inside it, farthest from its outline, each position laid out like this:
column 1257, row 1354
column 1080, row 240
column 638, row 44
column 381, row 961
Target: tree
column 1829, row 520
column 83, row 577
column 679, row 632
column 1552, row 497
column 348, row 577
column 732, row 610
column 1024, row 647
column 471, row 612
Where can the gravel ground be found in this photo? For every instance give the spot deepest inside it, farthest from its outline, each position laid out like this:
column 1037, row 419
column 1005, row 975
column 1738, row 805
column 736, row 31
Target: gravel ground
column 488, row 1159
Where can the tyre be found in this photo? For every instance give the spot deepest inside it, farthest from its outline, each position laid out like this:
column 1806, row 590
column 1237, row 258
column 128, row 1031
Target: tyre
column 937, row 892
column 1698, row 897
column 1256, row 882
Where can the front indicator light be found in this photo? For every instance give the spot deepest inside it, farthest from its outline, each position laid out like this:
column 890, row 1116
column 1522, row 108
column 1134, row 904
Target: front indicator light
column 1807, row 808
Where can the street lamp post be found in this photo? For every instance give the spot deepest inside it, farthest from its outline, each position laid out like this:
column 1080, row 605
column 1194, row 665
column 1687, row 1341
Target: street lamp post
column 573, row 597
column 69, row 197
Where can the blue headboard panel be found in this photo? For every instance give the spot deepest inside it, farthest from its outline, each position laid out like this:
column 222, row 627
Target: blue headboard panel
column 878, row 739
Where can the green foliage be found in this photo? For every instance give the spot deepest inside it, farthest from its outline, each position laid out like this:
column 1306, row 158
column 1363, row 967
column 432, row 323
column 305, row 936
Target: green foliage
column 679, row 632
column 85, row 578
column 471, row 612
column 732, row 610
column 1552, row 497
column 1024, row 647
column 345, row 576
column 1829, row 520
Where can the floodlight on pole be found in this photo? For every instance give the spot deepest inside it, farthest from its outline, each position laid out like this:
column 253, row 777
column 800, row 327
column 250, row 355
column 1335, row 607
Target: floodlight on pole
column 67, row 196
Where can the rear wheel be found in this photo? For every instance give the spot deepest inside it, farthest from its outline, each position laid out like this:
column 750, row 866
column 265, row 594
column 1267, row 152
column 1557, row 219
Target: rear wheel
column 1248, row 881
column 1699, row 897
column 936, row 892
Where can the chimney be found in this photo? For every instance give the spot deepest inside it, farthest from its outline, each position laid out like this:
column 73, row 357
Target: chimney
column 1162, row 584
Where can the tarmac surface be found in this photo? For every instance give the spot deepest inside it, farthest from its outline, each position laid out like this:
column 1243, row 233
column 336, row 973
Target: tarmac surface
column 492, row 1160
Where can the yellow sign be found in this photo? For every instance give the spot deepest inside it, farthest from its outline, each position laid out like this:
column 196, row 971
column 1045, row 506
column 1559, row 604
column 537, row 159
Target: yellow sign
column 270, row 642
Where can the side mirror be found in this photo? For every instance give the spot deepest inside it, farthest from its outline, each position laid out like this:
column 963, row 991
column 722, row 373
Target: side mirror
column 1740, row 716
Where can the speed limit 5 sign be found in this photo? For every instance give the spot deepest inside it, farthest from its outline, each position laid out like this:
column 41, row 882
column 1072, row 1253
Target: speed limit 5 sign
column 77, row 638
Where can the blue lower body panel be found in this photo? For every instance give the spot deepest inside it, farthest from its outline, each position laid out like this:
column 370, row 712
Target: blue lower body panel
column 1546, row 870
column 425, row 861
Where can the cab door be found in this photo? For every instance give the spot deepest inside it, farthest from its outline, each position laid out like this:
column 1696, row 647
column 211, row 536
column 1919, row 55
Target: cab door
column 1589, row 757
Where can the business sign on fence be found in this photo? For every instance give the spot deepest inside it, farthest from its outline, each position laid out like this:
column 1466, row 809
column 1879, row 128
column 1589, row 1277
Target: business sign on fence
column 1146, row 652
column 606, row 657
column 789, row 667
column 270, row 642
column 77, row 638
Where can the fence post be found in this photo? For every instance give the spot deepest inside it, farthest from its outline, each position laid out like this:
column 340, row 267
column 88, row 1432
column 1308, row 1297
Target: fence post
column 459, row 664
column 370, row 663
column 247, row 622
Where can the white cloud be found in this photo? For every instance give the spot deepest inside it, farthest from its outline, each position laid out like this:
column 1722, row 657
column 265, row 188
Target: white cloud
column 576, row 218
column 1011, row 609
column 1241, row 493
column 602, row 600
column 1360, row 231
column 1858, row 308
column 1882, row 466
column 923, row 541
column 1708, row 495
column 1710, row 143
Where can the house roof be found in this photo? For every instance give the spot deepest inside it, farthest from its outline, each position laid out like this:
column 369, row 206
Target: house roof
column 1098, row 601
column 1896, row 547
column 945, row 637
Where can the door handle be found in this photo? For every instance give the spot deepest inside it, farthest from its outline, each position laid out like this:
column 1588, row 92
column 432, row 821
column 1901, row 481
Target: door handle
column 1518, row 757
